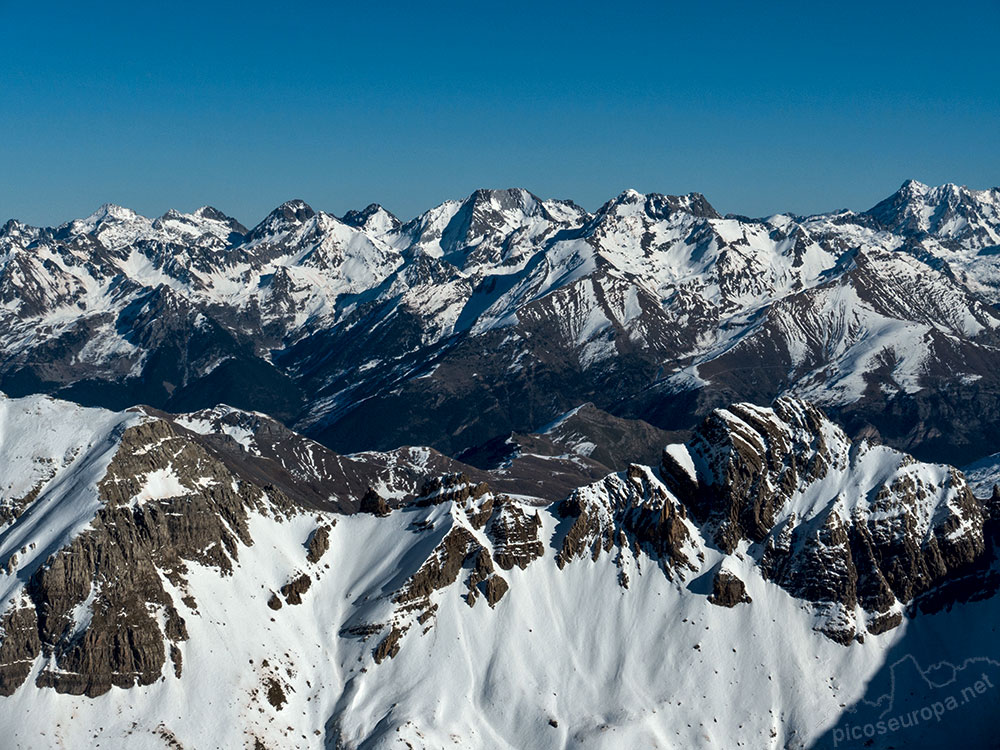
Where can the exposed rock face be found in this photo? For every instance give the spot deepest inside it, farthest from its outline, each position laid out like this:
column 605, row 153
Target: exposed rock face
column 515, row 535
column 295, row 588
column 485, row 531
column 441, row 568
column 388, row 647
column 374, row 503
column 481, row 571
column 319, row 543
column 496, row 587
column 632, row 514
column 93, row 609
column 20, row 646
column 728, row 590
column 885, row 555
column 752, row 461
column 841, row 525
column 455, row 488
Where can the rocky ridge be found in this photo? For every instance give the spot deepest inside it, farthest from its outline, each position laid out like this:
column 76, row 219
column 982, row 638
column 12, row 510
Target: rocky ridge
column 858, row 531
column 135, row 545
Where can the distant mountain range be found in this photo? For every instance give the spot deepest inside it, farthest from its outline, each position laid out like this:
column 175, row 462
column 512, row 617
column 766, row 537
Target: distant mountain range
column 500, row 312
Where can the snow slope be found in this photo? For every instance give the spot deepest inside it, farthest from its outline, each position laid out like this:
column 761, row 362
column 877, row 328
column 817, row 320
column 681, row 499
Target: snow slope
column 395, row 632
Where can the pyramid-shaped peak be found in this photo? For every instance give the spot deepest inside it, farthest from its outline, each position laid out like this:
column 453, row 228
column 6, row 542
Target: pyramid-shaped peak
column 913, row 187
column 502, row 194
column 284, row 218
column 296, row 210
column 111, row 212
column 506, row 199
column 212, row 213
column 370, row 215
column 659, row 206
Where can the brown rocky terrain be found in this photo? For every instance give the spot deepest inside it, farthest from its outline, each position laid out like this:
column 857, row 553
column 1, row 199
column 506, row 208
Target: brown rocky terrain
column 97, row 611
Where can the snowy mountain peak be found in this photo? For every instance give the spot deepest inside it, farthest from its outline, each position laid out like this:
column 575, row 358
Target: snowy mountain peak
column 374, row 219
column 210, row 213
column 504, row 199
column 294, row 210
column 489, row 227
column 491, row 210
column 15, row 230
column 657, row 206
column 112, row 225
column 208, row 221
column 950, row 213
column 913, row 187
column 111, row 212
column 285, row 218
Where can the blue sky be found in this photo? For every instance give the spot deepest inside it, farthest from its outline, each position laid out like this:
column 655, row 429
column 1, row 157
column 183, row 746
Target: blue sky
column 763, row 107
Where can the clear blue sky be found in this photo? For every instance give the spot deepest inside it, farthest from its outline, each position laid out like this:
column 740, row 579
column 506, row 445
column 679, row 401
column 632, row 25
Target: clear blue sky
column 761, row 106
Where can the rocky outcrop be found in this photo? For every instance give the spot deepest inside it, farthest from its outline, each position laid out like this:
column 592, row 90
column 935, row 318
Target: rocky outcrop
column 388, row 647
column 515, row 534
column 456, row 488
column 441, row 568
column 319, row 543
column 97, row 610
column 374, row 503
column 632, row 513
column 752, row 460
column 20, row 645
column 881, row 557
column 841, row 525
column 295, row 588
column 728, row 590
column 413, row 600
column 14, row 507
column 496, row 587
column 485, row 531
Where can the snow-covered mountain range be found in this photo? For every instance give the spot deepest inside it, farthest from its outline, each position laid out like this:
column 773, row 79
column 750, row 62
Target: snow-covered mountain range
column 499, row 312
column 199, row 580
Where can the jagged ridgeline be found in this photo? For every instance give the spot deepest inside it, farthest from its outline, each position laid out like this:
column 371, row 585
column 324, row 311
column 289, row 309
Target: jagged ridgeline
column 500, row 312
column 213, row 579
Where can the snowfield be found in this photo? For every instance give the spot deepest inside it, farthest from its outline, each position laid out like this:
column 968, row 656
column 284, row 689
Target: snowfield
column 568, row 657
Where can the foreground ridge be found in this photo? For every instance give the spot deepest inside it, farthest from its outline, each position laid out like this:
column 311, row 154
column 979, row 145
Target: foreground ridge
column 143, row 553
